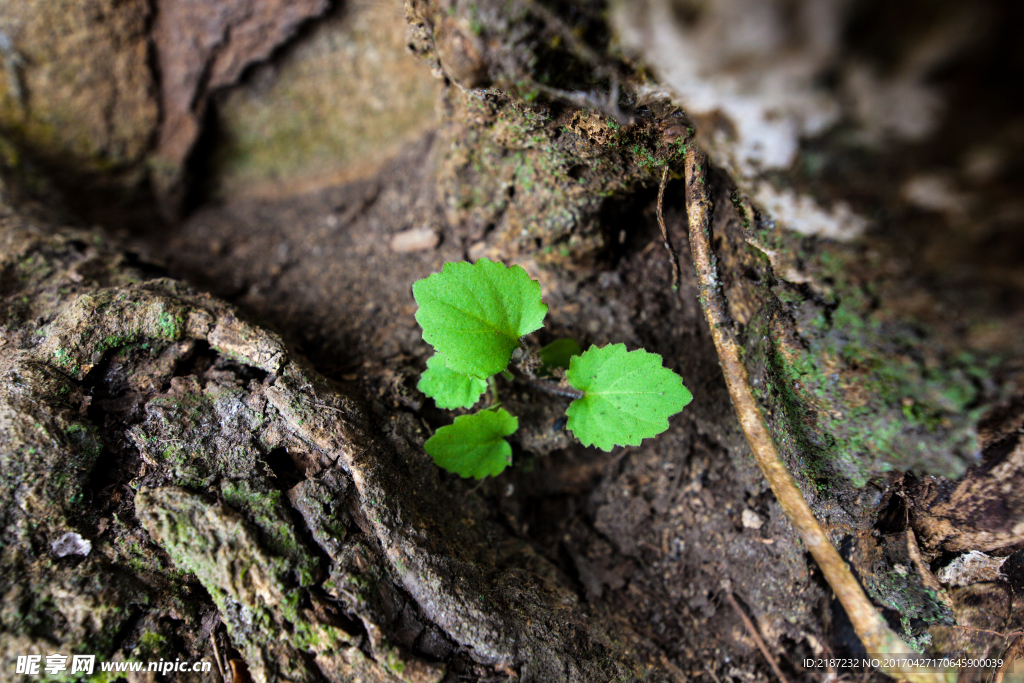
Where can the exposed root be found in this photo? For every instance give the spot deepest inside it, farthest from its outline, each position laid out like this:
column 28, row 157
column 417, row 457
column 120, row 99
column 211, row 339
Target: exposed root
column 923, row 572
column 1011, row 634
column 672, row 255
column 216, row 655
column 757, row 637
column 874, row 633
column 1009, row 657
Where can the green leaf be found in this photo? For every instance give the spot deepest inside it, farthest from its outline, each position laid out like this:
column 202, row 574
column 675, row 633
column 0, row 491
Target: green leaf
column 474, row 314
column 558, row 353
column 628, row 396
column 448, row 388
column 474, row 446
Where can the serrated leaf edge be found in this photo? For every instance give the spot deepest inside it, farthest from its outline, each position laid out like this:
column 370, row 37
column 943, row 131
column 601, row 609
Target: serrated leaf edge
column 501, row 438
column 579, row 404
column 496, row 290
column 425, row 390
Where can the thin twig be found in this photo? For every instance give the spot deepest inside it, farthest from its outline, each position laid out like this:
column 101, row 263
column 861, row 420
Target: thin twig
column 1009, row 657
column 925, row 574
column 672, row 255
column 555, row 388
column 872, row 630
column 606, row 104
column 216, row 655
column 327, row 407
column 672, row 607
column 985, row 630
column 476, row 487
column 756, row 636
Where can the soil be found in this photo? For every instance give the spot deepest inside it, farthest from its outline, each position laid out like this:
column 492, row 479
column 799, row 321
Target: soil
column 658, row 534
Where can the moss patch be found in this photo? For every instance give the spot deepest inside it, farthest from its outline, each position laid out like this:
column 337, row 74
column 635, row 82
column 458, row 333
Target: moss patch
column 541, row 175
column 864, row 389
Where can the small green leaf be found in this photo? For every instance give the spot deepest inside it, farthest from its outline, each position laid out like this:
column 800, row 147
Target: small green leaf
column 474, row 446
column 475, row 314
column 628, row 396
column 558, row 353
column 448, row 388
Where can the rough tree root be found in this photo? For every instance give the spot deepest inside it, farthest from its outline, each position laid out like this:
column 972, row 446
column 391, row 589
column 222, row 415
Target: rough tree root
column 872, row 630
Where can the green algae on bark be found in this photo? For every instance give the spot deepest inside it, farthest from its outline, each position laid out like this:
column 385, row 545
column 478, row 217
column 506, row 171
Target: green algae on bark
column 257, row 601
column 857, row 383
column 544, row 176
column 538, row 143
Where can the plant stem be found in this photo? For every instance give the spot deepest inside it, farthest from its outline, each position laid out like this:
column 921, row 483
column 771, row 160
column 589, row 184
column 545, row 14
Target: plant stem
column 752, row 630
column 492, row 390
column 878, row 639
column 553, row 388
column 556, row 388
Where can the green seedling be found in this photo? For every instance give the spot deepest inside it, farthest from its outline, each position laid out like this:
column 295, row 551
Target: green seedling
column 475, row 316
